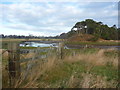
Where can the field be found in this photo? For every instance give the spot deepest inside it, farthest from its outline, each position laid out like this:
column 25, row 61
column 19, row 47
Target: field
column 102, row 43
column 29, row 40
column 79, row 68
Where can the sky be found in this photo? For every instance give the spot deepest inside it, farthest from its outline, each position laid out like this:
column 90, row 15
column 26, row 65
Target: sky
column 52, row 18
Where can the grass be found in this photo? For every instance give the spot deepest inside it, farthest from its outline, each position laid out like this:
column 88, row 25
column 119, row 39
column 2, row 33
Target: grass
column 19, row 40
column 34, row 47
column 28, row 47
column 106, row 71
column 70, row 75
column 111, row 53
column 59, row 76
column 87, row 68
column 93, row 43
column 80, row 68
column 5, row 44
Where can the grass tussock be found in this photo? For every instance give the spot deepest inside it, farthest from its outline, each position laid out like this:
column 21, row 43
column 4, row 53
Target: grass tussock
column 96, row 58
column 95, row 81
column 35, row 73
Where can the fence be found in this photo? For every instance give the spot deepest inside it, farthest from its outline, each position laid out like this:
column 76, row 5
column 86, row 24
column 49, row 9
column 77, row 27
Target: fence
column 15, row 60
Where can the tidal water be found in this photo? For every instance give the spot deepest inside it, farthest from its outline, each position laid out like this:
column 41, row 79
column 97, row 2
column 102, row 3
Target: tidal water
column 37, row 44
column 42, row 44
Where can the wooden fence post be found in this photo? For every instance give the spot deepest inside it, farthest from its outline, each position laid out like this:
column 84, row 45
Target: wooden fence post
column 14, row 64
column 60, row 50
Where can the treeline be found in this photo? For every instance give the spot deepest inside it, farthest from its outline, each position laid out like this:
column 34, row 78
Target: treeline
column 89, row 26
column 25, row 37
column 98, row 29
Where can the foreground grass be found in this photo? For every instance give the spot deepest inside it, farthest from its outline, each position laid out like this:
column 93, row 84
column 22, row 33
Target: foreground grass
column 87, row 68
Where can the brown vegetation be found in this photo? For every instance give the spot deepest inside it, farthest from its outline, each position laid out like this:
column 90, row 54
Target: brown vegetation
column 96, row 59
column 82, row 37
column 46, row 70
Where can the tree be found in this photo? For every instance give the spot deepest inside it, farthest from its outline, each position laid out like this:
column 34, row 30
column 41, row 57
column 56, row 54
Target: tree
column 98, row 29
column 114, row 26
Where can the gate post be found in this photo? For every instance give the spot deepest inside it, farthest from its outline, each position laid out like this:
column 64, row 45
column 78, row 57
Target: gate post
column 60, row 50
column 13, row 63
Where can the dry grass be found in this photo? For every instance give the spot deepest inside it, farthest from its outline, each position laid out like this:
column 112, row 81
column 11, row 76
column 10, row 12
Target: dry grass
column 3, row 52
column 29, row 78
column 80, row 37
column 35, row 73
column 29, row 55
column 89, row 80
column 95, row 81
column 73, row 82
column 96, row 59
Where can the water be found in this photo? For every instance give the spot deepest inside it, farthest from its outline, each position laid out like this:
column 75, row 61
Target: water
column 42, row 44
column 36, row 44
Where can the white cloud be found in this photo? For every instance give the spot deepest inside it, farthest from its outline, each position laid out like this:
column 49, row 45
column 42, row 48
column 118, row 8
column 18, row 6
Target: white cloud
column 52, row 18
column 60, row 0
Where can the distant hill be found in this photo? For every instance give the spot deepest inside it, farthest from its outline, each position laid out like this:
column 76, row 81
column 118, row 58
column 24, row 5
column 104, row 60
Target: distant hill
column 93, row 29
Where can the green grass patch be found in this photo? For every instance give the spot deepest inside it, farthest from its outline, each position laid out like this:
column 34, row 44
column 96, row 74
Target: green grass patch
column 113, row 53
column 28, row 47
column 43, row 53
column 81, row 51
column 62, row 73
column 89, row 50
column 107, row 71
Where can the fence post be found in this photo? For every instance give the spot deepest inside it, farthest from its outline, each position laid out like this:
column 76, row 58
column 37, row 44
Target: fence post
column 14, row 64
column 60, row 50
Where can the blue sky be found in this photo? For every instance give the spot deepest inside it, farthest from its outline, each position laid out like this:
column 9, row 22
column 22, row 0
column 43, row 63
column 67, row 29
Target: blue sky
column 52, row 18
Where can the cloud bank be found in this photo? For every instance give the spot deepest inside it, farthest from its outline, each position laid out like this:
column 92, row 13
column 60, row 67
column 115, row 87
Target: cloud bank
column 53, row 18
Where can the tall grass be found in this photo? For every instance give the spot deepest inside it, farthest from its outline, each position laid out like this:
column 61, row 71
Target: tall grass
column 82, row 70
column 35, row 73
column 96, row 58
